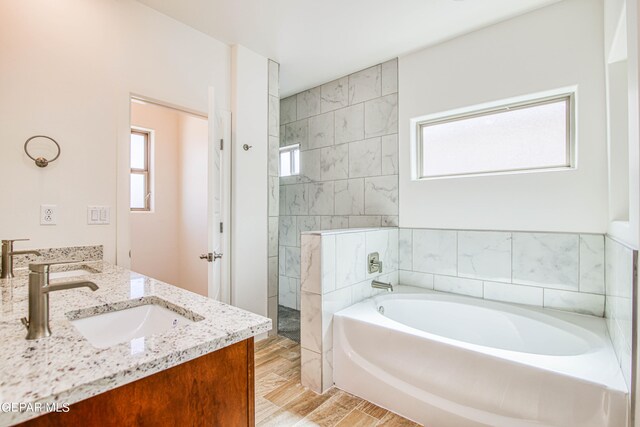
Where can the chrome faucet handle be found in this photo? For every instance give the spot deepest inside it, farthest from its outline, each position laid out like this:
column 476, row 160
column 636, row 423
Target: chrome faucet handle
column 43, row 266
column 14, row 240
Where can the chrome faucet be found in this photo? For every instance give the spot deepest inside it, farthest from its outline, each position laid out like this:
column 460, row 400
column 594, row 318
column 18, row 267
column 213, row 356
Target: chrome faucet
column 381, row 285
column 7, row 257
column 39, row 288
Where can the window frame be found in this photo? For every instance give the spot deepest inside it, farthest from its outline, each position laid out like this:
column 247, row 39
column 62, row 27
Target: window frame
column 290, row 148
column 146, row 171
column 418, row 124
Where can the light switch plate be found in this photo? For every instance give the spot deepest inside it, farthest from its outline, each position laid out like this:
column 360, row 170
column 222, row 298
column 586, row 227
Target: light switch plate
column 48, row 214
column 98, row 215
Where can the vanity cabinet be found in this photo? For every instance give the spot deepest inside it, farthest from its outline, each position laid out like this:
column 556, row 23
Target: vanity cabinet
column 216, row 389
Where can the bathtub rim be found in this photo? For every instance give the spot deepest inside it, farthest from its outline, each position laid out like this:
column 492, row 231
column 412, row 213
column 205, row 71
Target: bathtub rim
column 600, row 358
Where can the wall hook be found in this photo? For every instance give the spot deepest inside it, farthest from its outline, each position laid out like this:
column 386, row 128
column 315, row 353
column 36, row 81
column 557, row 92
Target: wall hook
column 247, row 147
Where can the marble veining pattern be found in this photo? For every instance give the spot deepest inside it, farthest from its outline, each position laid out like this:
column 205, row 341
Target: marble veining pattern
column 334, row 222
column 292, row 262
column 381, row 195
column 274, row 156
column 307, row 223
column 389, row 154
column 321, row 198
column 287, row 230
column 288, row 110
column 381, row 116
column 405, row 246
column 341, row 281
column 592, row 263
column 365, row 221
column 334, row 162
column 328, row 122
column 297, row 133
column 389, row 221
column 547, row 259
column 297, row 203
column 75, row 370
column 434, row 251
column 321, row 130
column 365, row 85
column 458, row 285
column 349, row 197
column 389, row 72
column 491, row 258
column 619, row 266
column 310, row 166
column 365, row 158
column 349, row 124
column 308, row 103
column 350, row 259
column 274, row 115
column 484, row 255
column 334, row 95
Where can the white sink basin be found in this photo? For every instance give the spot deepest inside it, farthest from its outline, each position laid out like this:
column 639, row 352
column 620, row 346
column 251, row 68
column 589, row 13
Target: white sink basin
column 108, row 329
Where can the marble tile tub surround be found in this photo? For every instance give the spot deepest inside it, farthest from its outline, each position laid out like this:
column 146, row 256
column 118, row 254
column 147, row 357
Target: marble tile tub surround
column 347, row 130
column 619, row 264
column 555, row 270
column 65, row 367
column 273, row 202
column 334, row 276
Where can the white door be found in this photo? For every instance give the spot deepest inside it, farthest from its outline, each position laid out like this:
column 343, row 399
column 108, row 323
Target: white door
column 219, row 202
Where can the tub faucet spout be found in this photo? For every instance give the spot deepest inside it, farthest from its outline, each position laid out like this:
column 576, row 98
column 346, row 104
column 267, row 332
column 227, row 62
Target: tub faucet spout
column 381, row 285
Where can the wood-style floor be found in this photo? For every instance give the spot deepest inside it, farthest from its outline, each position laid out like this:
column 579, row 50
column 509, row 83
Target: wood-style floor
column 282, row 401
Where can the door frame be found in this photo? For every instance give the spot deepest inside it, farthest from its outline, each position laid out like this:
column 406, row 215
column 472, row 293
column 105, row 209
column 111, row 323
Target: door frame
column 122, row 221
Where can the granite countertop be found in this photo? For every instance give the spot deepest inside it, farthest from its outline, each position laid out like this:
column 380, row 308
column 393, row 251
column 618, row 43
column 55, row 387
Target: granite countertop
column 66, row 368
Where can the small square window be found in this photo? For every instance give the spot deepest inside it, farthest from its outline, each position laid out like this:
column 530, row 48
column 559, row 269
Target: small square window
column 290, row 160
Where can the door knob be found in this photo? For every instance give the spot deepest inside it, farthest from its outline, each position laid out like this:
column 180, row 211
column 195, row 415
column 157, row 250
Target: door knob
column 210, row 257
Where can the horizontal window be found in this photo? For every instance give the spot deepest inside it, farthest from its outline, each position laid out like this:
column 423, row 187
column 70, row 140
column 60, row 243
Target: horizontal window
column 516, row 137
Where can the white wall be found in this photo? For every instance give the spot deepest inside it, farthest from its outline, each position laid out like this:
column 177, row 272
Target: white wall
column 554, row 47
column 67, row 70
column 154, row 234
column 621, row 65
column 249, row 234
column 192, row 203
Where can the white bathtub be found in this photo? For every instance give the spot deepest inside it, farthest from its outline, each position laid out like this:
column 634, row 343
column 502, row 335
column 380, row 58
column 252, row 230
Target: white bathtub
column 446, row 360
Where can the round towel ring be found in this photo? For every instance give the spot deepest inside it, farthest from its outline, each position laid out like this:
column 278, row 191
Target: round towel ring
column 41, row 162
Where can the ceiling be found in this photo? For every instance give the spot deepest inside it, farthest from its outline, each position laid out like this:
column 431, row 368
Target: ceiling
column 316, row 41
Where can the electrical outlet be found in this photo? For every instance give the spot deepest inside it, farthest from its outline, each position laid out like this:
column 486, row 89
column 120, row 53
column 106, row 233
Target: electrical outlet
column 48, row 214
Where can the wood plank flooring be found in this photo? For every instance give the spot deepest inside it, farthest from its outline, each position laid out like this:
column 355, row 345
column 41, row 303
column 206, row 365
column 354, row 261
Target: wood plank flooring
column 282, row 401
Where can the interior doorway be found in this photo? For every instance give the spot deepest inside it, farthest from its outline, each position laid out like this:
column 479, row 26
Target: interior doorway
column 176, row 182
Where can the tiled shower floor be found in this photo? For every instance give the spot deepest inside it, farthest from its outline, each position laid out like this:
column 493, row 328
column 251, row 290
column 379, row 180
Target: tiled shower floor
column 289, row 323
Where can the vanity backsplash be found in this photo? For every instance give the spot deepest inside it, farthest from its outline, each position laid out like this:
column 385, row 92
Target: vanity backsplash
column 76, row 253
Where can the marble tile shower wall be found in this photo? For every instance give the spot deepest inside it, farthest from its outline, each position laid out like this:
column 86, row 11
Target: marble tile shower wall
column 273, row 167
column 619, row 261
column 554, row 270
column 334, row 276
column 347, row 131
